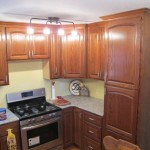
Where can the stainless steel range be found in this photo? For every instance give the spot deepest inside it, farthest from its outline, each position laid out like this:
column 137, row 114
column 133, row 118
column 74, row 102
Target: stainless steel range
column 40, row 121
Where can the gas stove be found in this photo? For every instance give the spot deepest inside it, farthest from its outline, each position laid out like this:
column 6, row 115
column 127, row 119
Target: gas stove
column 29, row 104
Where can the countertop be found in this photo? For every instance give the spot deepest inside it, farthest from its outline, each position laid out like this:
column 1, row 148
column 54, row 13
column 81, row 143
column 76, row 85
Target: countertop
column 90, row 104
column 10, row 117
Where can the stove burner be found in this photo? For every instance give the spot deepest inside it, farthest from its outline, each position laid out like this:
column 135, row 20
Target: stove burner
column 35, row 110
column 21, row 112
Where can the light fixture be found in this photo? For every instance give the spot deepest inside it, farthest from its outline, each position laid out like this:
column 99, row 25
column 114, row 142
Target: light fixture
column 56, row 20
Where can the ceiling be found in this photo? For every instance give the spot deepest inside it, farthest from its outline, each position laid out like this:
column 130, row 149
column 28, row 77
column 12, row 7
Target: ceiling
column 79, row 11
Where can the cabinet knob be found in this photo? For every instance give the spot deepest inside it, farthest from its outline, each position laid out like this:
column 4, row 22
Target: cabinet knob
column 91, row 131
column 90, row 147
column 91, row 119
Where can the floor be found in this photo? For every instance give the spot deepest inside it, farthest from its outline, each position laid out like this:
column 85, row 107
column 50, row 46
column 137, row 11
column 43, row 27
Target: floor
column 72, row 148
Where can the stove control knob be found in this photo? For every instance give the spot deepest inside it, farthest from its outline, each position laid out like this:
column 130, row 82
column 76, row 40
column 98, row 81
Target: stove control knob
column 42, row 117
column 50, row 115
column 54, row 114
column 33, row 120
column 29, row 120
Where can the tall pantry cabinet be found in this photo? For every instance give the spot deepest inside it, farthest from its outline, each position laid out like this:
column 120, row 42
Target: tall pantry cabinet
column 127, row 79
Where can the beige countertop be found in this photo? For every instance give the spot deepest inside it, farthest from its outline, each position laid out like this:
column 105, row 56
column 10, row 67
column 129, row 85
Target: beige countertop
column 90, row 104
column 10, row 117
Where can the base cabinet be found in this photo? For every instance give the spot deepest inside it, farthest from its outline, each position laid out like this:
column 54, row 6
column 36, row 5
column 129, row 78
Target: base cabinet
column 82, row 128
column 3, row 135
column 91, row 131
column 68, row 133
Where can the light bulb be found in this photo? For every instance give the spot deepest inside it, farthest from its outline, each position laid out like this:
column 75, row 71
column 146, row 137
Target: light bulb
column 30, row 30
column 46, row 30
column 61, row 32
column 74, row 33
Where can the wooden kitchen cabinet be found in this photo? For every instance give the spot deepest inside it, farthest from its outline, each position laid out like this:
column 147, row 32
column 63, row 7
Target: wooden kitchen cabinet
column 68, row 124
column 3, row 135
column 78, row 121
column 21, row 46
column 123, row 53
column 74, row 53
column 121, row 113
column 127, row 84
column 3, row 58
column 52, row 67
column 96, row 50
column 92, row 126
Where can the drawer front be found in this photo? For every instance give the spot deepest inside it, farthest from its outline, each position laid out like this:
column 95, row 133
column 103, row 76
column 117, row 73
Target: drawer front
column 14, row 126
column 92, row 131
column 90, row 144
column 91, row 118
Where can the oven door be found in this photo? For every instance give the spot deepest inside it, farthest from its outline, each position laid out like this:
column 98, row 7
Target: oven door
column 42, row 135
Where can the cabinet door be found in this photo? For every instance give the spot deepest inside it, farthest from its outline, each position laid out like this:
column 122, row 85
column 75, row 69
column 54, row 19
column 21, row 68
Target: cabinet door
column 73, row 54
column 95, row 52
column 3, row 140
column 123, row 53
column 17, row 43
column 3, row 59
column 39, row 44
column 77, row 126
column 121, row 112
column 55, row 56
column 68, row 133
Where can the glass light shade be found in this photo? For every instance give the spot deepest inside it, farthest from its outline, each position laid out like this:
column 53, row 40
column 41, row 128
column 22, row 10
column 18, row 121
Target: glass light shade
column 74, row 33
column 61, row 31
column 30, row 30
column 46, row 30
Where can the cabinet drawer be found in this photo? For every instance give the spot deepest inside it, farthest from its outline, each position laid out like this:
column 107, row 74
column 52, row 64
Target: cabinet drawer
column 90, row 144
column 89, row 117
column 92, row 131
column 14, row 126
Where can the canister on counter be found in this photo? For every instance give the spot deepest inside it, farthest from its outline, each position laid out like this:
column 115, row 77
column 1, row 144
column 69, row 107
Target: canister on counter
column 3, row 115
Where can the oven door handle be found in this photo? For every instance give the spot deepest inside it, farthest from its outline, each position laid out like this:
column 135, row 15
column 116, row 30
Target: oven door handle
column 40, row 125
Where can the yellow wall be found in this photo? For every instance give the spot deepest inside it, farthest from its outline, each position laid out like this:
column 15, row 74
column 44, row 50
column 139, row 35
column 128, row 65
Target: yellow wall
column 26, row 75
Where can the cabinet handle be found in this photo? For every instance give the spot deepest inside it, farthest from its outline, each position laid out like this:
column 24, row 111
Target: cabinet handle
column 29, row 53
column 56, row 70
column 80, row 115
column 91, row 119
column 64, row 72
column 91, row 131
column 32, row 53
column 90, row 147
column 98, row 74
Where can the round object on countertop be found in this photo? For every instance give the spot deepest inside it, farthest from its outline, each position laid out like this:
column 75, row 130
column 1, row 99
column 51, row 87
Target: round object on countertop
column 75, row 87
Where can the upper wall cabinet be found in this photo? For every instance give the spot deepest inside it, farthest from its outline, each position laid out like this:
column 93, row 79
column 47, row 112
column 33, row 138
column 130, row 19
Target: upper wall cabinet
column 23, row 46
column 3, row 58
column 74, row 53
column 52, row 67
column 124, row 53
column 96, row 51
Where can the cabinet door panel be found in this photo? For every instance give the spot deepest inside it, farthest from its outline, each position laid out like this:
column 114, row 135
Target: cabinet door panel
column 73, row 53
column 55, row 56
column 68, row 133
column 39, row 44
column 123, row 53
column 17, row 43
column 77, row 126
column 3, row 59
column 95, row 52
column 121, row 111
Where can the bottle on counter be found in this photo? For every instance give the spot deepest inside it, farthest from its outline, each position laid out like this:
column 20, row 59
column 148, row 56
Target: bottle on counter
column 11, row 140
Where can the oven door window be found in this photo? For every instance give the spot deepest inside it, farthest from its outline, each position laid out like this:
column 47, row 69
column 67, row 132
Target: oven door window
column 42, row 135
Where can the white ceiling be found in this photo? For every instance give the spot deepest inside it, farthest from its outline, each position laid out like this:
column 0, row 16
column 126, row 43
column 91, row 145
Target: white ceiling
column 76, row 10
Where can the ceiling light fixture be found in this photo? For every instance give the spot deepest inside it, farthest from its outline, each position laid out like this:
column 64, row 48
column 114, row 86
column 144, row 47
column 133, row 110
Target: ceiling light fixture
column 56, row 20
